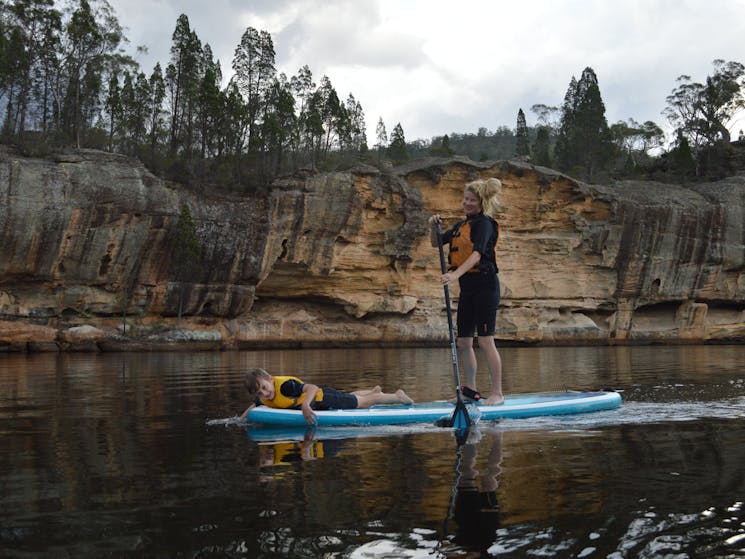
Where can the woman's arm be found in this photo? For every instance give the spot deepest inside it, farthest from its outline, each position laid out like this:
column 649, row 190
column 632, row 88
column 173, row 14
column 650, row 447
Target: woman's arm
column 470, row 262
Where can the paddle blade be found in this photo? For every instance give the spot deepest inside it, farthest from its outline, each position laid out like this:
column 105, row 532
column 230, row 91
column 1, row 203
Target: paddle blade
column 460, row 418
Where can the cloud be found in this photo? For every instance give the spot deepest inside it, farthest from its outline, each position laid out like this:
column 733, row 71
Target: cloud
column 438, row 66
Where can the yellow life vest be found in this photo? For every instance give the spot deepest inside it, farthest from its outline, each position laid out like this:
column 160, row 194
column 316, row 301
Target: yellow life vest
column 461, row 246
column 282, row 401
column 285, row 453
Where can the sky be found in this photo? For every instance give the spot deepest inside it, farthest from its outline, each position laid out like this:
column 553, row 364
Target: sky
column 443, row 66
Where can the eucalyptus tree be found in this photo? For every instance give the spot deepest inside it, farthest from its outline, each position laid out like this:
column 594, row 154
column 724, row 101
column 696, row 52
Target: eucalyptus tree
column 278, row 124
column 31, row 37
column 357, row 127
column 702, row 111
column 547, row 115
column 381, row 138
column 209, row 105
column 332, row 117
column 182, row 78
column 113, row 107
column 135, row 112
column 156, row 126
column 633, row 140
column 313, row 126
column 234, row 129
column 302, row 86
column 91, row 50
column 254, row 67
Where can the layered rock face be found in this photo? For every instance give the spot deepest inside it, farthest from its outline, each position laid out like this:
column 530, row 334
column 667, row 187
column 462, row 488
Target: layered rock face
column 345, row 258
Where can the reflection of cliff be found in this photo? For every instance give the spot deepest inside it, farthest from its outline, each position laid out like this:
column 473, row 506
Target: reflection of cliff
column 344, row 257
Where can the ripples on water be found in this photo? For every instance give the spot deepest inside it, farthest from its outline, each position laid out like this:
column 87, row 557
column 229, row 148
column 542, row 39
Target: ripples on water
column 142, row 456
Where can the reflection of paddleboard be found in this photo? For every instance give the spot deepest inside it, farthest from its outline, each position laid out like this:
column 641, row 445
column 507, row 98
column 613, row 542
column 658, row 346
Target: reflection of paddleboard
column 515, row 406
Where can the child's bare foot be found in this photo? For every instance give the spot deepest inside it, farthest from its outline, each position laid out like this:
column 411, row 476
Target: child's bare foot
column 403, row 397
column 494, row 400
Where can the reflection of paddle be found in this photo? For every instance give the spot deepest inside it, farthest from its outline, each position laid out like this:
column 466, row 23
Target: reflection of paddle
column 461, row 437
column 460, row 418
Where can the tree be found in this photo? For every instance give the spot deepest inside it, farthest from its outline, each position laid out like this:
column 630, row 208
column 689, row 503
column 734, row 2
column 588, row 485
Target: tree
column 208, row 105
column 185, row 255
column 357, row 128
column 547, row 116
column 682, row 163
column 522, row 147
column 701, row 112
column 90, row 52
column 114, row 108
column 584, row 140
column 542, row 147
column 30, row 52
column 302, row 87
column 381, row 137
column 278, row 122
column 633, row 141
column 156, row 125
column 182, row 79
column 397, row 149
column 254, row 66
column 443, row 149
column 565, row 149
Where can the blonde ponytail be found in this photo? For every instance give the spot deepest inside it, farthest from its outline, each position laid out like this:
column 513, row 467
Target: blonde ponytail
column 487, row 190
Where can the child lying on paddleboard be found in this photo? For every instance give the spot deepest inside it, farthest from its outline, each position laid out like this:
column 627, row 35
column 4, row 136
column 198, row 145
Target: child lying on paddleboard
column 291, row 392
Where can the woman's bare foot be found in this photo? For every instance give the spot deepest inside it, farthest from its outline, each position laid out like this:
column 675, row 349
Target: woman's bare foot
column 403, row 397
column 494, row 400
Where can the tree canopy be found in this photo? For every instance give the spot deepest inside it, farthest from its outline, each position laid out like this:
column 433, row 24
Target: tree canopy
column 65, row 80
column 65, row 77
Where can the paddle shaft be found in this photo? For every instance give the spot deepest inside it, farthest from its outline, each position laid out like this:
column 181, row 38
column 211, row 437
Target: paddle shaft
column 453, row 350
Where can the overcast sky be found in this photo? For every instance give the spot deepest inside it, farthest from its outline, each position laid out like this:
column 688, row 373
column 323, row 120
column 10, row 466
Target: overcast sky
column 443, row 66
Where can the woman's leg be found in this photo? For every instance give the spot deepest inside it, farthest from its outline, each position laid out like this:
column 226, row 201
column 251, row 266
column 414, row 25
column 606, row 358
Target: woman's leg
column 494, row 362
column 467, row 358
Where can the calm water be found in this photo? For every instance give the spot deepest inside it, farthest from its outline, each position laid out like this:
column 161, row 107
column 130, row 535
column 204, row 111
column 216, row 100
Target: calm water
column 140, row 456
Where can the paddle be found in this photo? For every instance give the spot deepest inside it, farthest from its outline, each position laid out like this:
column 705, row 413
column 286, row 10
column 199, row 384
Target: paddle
column 460, row 418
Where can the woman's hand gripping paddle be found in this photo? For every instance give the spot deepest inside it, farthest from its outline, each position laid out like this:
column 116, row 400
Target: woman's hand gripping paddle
column 460, row 419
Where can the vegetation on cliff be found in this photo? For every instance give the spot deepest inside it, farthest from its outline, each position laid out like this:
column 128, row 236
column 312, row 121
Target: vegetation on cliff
column 65, row 80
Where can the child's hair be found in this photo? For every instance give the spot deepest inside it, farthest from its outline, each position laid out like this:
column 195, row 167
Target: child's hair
column 251, row 379
column 487, row 190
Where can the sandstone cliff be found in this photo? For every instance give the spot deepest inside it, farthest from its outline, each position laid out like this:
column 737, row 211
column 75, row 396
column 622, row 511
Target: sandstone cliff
column 344, row 258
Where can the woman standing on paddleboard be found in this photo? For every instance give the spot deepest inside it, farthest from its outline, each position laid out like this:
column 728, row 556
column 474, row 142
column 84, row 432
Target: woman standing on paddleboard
column 472, row 261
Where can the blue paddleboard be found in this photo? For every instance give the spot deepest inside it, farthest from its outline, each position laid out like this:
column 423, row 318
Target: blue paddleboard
column 515, row 406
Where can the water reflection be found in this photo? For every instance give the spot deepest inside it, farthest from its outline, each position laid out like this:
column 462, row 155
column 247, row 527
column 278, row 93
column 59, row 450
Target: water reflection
column 114, row 455
column 476, row 503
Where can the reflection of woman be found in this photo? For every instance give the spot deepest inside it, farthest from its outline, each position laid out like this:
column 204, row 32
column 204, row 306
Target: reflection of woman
column 476, row 506
column 473, row 263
